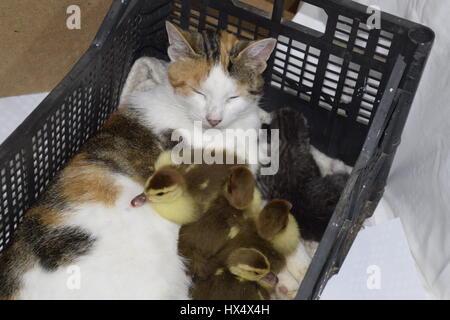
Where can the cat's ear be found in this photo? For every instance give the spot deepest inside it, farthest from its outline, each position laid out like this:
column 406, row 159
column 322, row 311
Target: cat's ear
column 179, row 47
column 257, row 53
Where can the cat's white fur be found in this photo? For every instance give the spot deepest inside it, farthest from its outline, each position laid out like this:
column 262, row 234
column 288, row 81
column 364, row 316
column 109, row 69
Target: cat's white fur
column 164, row 109
column 134, row 256
column 327, row 165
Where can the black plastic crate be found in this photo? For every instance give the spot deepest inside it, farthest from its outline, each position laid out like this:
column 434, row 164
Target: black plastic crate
column 354, row 85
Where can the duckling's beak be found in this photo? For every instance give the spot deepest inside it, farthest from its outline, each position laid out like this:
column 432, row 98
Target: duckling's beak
column 139, row 200
column 271, row 279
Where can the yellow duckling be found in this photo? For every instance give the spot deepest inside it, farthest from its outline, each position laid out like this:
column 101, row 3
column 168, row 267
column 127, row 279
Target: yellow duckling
column 181, row 193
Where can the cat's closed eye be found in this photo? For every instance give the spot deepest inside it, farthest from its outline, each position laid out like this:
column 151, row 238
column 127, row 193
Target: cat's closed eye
column 232, row 98
column 198, row 92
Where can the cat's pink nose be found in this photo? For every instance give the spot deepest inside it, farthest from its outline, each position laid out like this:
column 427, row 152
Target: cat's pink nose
column 213, row 123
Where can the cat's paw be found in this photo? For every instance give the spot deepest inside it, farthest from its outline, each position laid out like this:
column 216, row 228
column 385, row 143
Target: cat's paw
column 311, row 247
column 265, row 117
column 337, row 166
column 327, row 165
column 298, row 263
column 287, row 286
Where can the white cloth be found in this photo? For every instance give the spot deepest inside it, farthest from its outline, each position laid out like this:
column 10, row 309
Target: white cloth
column 14, row 110
column 418, row 188
column 376, row 269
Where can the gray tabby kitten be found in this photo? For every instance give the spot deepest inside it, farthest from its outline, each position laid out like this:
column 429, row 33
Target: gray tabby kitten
column 298, row 179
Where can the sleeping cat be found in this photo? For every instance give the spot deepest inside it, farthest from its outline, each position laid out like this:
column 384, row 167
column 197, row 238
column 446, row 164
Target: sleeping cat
column 82, row 239
column 215, row 80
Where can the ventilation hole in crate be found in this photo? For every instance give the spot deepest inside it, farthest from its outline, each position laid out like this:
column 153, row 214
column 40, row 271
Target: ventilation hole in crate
column 262, row 32
column 75, row 106
column 14, row 196
column 348, row 89
column 41, row 159
column 295, row 66
column 58, row 137
column 369, row 97
column 177, row 4
column 241, row 28
column 362, row 36
column 195, row 13
column 362, row 120
column 199, row 14
column 105, row 102
column 175, row 15
column 383, row 46
column 248, row 30
column 330, row 82
column 342, row 31
column 88, row 96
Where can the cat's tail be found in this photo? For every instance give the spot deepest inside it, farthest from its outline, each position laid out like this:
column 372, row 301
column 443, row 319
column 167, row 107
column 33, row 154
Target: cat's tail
column 14, row 262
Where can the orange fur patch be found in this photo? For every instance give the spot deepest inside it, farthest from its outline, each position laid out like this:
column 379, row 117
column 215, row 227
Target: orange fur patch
column 46, row 216
column 83, row 181
column 187, row 74
column 227, row 41
column 115, row 118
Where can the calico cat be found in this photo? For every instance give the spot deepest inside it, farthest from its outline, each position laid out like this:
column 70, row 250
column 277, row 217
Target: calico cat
column 214, row 79
column 82, row 239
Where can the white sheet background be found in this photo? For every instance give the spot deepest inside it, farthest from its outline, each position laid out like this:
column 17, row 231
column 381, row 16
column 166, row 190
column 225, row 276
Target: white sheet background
column 13, row 110
column 418, row 189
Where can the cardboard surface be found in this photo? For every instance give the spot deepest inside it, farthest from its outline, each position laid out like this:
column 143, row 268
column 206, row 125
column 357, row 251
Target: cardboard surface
column 290, row 6
column 37, row 49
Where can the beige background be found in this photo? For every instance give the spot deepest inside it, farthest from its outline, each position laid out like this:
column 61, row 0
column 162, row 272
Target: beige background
column 36, row 48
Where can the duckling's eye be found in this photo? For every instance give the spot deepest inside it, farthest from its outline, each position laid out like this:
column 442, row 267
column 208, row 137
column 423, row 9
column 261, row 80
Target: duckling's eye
column 160, row 194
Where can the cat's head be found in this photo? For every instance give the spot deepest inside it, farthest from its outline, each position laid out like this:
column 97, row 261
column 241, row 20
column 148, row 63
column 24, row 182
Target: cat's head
column 217, row 77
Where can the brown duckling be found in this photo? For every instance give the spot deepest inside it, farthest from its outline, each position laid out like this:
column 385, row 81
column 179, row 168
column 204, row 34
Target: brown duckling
column 246, row 267
column 273, row 232
column 244, row 275
column 276, row 224
column 200, row 240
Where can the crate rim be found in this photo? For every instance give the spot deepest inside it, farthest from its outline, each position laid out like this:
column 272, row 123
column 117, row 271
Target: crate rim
column 420, row 36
